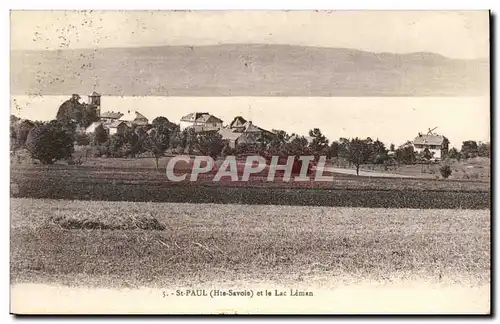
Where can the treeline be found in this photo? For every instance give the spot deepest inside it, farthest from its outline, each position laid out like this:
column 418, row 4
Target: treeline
column 55, row 140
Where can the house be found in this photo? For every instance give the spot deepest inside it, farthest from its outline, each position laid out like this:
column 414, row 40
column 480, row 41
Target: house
column 435, row 143
column 201, row 122
column 91, row 128
column 114, row 127
column 134, row 118
column 117, row 127
column 230, row 136
column 111, row 116
column 241, row 131
column 237, row 122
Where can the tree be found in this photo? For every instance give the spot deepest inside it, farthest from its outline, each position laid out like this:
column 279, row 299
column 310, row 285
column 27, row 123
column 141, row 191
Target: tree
column 392, row 148
column 70, row 110
column 281, row 135
column 379, row 152
column 484, row 150
column 13, row 138
column 275, row 143
column 247, row 148
column 126, row 144
column 189, row 139
column 469, row 149
column 445, row 171
column 444, row 147
column 297, row 147
column 14, row 119
column 453, row 153
column 82, row 139
column 22, row 130
column 176, row 140
column 141, row 131
column 160, row 120
column 100, row 135
column 73, row 111
column 343, row 143
column 319, row 143
column 406, row 155
column 157, row 141
column 210, row 144
column 265, row 140
column 89, row 115
column 334, row 149
column 50, row 142
column 359, row 151
column 426, row 155
column 115, row 145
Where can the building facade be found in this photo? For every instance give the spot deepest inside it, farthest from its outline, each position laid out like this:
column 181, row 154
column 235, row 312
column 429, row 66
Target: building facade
column 201, row 122
column 241, row 131
column 436, row 144
column 134, row 118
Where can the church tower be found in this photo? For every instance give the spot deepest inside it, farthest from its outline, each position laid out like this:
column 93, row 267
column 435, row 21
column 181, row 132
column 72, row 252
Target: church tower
column 95, row 100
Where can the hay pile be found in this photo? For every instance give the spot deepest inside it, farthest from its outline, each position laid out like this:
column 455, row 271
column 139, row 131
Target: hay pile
column 113, row 222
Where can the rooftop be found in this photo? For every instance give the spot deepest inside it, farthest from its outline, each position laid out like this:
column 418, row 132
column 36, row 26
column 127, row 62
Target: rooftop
column 133, row 116
column 429, row 139
column 228, row 134
column 111, row 115
column 200, row 117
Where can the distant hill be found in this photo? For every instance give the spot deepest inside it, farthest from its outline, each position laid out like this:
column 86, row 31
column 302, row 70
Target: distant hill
column 245, row 70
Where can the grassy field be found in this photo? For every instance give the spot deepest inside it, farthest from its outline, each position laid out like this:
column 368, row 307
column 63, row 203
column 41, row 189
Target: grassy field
column 129, row 184
column 207, row 243
column 478, row 168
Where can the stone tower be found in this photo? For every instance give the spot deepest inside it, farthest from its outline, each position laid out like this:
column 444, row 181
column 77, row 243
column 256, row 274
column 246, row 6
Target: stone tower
column 95, row 100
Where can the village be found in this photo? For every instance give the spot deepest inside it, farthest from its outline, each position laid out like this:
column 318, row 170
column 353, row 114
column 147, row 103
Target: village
column 240, row 131
column 102, row 132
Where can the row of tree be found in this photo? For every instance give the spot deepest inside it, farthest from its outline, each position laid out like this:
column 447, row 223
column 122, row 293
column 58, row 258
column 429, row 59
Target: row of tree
column 54, row 140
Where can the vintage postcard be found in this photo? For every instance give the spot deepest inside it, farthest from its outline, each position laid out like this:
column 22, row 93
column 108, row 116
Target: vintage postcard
column 250, row 162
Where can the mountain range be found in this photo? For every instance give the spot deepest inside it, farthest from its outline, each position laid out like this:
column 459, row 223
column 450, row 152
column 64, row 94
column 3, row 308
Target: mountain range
column 245, row 70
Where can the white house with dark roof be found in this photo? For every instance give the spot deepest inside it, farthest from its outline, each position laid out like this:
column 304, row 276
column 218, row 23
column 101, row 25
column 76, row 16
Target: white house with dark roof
column 91, row 128
column 134, row 118
column 117, row 127
column 201, row 122
column 435, row 143
column 113, row 127
column 241, row 131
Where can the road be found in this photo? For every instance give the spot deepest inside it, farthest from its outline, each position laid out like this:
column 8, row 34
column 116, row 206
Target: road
column 366, row 173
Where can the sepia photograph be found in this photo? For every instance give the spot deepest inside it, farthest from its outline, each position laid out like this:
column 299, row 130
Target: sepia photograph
column 250, row 162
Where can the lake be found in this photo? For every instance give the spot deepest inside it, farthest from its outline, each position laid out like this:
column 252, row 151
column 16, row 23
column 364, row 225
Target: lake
column 391, row 119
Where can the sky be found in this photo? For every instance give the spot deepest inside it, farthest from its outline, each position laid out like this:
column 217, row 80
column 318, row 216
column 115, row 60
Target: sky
column 456, row 34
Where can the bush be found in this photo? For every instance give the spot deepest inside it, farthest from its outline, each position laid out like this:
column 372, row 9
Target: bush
column 100, row 135
column 100, row 151
column 445, row 171
column 228, row 151
column 50, row 142
column 179, row 150
column 82, row 139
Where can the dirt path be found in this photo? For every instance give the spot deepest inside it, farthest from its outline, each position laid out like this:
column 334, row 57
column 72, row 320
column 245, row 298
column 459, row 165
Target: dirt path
column 366, row 173
column 367, row 297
